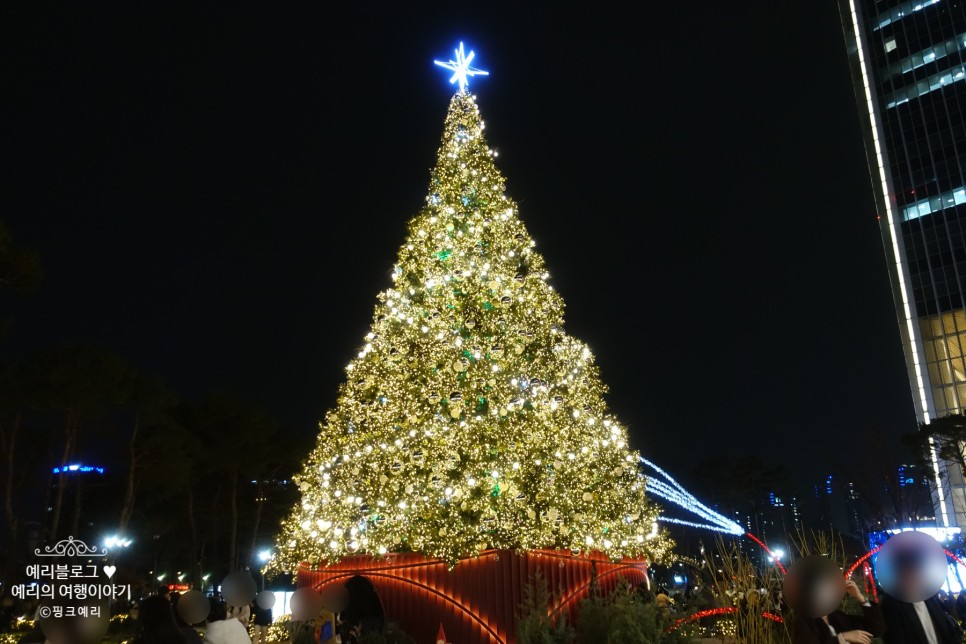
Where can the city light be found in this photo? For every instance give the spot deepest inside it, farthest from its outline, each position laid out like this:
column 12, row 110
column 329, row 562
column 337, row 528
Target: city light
column 264, row 555
column 78, row 468
column 116, row 541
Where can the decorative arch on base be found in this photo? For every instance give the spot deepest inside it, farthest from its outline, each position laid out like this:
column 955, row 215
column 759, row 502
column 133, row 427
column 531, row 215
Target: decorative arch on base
column 478, row 600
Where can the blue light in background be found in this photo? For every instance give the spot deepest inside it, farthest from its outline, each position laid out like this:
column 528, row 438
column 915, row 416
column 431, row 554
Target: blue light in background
column 78, row 468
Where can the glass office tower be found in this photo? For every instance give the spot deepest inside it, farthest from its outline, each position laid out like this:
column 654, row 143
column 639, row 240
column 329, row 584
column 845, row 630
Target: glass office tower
column 908, row 63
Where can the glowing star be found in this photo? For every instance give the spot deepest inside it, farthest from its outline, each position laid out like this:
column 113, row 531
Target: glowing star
column 461, row 68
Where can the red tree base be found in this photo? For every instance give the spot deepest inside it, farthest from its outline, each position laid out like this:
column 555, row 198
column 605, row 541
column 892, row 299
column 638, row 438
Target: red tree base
column 477, row 602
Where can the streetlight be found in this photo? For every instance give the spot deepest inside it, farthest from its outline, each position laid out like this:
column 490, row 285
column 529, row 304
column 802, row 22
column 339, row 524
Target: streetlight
column 115, row 543
column 264, row 556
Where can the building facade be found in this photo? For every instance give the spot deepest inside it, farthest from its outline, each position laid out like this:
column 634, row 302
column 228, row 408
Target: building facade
column 908, row 64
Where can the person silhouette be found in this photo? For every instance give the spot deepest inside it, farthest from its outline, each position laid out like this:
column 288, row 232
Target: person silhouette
column 838, row 627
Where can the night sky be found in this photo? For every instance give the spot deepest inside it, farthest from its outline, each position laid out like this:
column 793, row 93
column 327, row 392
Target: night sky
column 218, row 194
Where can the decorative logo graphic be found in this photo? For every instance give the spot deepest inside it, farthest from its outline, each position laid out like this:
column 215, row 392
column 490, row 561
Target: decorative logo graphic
column 70, row 547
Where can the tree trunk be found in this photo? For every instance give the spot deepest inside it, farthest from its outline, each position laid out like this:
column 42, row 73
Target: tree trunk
column 233, row 533
column 70, row 439
column 215, row 536
column 78, row 502
column 8, row 449
column 193, row 536
column 130, row 489
column 259, row 503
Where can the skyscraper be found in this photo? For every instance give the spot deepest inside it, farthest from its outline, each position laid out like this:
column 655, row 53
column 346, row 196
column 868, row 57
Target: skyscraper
column 908, row 63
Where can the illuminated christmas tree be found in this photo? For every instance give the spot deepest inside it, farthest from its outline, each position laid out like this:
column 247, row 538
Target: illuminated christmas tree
column 469, row 419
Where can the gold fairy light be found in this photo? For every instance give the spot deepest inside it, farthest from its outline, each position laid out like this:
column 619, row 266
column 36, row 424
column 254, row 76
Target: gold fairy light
column 468, row 418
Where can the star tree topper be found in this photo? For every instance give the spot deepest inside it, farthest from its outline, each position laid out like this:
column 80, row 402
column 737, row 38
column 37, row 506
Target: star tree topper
column 461, row 68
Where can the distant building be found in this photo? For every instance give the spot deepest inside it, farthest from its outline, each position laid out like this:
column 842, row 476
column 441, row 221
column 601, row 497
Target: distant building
column 834, row 504
column 908, row 64
column 915, row 497
column 786, row 512
column 83, row 508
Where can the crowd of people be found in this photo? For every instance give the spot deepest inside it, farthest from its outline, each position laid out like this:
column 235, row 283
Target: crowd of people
column 940, row 619
column 158, row 621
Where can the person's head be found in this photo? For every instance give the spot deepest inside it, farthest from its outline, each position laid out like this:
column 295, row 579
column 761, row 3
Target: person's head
column 155, row 621
column 218, row 612
column 178, row 619
column 908, row 565
column 814, row 586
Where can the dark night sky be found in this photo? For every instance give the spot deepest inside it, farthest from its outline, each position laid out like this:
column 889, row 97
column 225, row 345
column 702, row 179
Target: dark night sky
column 218, row 193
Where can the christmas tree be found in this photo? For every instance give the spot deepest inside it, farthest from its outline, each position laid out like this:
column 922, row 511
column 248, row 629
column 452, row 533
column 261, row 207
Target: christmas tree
column 469, row 419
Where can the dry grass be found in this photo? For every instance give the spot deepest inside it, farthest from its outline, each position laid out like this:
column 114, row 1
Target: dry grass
column 739, row 583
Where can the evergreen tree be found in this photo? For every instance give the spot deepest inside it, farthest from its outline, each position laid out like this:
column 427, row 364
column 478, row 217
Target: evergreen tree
column 469, row 419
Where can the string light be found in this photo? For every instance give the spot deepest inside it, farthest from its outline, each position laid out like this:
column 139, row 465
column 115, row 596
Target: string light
column 765, row 548
column 691, row 524
column 469, row 419
column 668, row 489
column 716, row 612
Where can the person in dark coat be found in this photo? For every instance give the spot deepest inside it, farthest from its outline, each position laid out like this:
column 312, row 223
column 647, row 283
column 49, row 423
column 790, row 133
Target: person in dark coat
column 961, row 606
column 838, row 627
column 156, row 623
column 263, row 619
column 917, row 622
column 909, row 623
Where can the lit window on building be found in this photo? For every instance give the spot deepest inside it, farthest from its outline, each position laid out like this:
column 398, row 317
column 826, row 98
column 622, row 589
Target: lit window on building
column 934, row 204
column 923, row 87
column 944, row 339
column 903, row 10
column 930, row 55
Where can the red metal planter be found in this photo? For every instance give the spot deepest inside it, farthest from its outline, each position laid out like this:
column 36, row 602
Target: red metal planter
column 478, row 600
